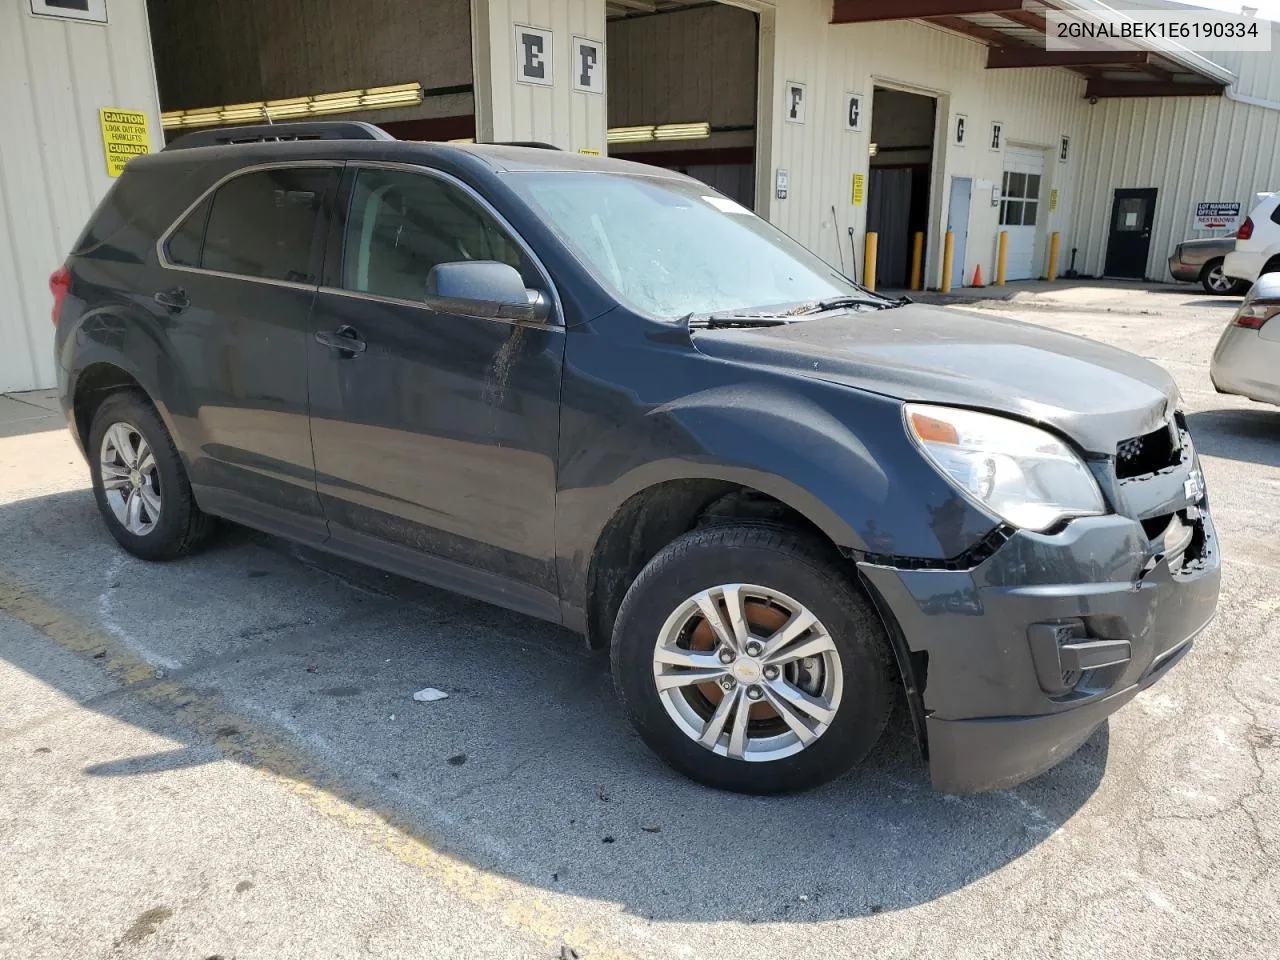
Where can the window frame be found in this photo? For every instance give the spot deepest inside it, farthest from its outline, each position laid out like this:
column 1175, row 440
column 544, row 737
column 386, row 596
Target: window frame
column 1025, row 199
column 318, row 232
column 331, row 276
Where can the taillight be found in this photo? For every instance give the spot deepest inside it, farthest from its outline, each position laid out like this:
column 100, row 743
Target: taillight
column 1253, row 315
column 59, row 284
column 1246, row 229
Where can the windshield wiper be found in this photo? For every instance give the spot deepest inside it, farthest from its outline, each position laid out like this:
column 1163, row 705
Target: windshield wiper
column 836, row 303
column 720, row 321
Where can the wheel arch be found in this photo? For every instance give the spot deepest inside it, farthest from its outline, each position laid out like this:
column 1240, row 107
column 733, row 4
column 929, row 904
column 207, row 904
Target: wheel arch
column 112, row 350
column 657, row 512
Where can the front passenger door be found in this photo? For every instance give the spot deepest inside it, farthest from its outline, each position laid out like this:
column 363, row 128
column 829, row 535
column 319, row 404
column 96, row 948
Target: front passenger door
column 435, row 436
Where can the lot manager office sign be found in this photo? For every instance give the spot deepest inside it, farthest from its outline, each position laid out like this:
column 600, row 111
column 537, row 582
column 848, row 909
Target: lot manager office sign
column 1216, row 215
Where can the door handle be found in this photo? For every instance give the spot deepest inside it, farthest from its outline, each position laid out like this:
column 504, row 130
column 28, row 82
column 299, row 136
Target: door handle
column 175, row 299
column 345, row 340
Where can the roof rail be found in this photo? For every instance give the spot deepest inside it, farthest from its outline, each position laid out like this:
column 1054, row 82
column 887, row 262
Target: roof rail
column 536, row 144
column 274, row 132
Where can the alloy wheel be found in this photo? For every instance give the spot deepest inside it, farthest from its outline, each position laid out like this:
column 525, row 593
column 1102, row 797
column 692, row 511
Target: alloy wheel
column 130, row 478
column 748, row 672
column 1218, row 281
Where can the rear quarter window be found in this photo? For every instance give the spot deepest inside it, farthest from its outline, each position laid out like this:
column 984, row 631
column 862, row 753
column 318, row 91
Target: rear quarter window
column 185, row 243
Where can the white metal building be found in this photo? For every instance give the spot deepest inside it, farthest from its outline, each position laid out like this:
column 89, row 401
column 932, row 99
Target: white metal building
column 830, row 117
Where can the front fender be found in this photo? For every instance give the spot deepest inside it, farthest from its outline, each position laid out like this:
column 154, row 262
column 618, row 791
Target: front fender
column 839, row 456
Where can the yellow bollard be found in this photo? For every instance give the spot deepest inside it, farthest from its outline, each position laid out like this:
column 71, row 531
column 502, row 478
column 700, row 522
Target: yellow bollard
column 948, row 252
column 917, row 261
column 869, row 260
column 1002, row 254
column 1054, row 239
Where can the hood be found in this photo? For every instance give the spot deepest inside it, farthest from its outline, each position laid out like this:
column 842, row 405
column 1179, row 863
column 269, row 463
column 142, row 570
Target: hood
column 1095, row 394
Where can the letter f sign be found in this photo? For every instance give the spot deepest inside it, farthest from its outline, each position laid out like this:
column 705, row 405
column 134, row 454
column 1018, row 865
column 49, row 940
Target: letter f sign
column 586, row 74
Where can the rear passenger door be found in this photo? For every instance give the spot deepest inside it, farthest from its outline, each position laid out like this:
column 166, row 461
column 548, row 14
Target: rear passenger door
column 235, row 284
column 435, row 437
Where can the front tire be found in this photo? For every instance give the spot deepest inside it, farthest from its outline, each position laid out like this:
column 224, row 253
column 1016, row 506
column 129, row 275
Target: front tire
column 747, row 659
column 1217, row 283
column 140, row 482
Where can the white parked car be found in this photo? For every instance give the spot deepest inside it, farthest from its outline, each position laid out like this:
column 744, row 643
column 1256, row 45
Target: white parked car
column 1247, row 359
column 1257, row 242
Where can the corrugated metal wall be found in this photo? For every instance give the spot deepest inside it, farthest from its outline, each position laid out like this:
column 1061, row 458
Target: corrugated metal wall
column 557, row 114
column 1191, row 149
column 54, row 77
column 240, row 50
column 1036, row 107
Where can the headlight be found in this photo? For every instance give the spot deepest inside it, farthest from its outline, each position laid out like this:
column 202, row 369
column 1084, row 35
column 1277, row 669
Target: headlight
column 1018, row 472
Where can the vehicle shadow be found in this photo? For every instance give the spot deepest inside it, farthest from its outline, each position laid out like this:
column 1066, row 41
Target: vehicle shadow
column 1226, row 302
column 1250, row 435
column 528, row 768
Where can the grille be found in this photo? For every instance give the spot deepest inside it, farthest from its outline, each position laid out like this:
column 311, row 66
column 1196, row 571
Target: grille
column 1149, row 453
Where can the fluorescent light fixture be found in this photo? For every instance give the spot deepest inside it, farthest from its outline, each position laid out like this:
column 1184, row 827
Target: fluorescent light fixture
column 630, row 134
column 344, row 101
column 464, row 140
column 682, row 131
column 875, row 148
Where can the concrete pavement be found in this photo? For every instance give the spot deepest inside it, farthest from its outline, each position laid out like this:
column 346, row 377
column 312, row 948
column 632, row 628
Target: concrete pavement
column 222, row 758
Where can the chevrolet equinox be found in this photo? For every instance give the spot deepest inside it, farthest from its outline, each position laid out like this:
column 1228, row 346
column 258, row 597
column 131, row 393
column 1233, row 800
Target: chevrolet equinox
column 603, row 394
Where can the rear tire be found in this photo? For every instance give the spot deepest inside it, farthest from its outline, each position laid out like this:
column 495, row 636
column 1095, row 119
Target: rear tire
column 849, row 682
column 140, row 482
column 1217, row 283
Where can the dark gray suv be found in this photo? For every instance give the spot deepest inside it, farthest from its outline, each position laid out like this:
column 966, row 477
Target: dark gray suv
column 602, row 394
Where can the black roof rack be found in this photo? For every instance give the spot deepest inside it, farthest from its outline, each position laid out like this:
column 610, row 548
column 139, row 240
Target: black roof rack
column 273, row 132
column 536, row 144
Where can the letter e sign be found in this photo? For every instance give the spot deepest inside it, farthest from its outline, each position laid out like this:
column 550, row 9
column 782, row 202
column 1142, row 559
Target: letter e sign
column 533, row 56
column 588, row 65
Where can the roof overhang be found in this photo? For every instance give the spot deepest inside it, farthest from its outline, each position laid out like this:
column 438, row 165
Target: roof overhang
column 1014, row 30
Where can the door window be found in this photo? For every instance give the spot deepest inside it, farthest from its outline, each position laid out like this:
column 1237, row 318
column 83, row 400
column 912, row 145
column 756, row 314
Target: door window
column 260, row 224
column 401, row 224
column 1129, row 214
column 1020, row 205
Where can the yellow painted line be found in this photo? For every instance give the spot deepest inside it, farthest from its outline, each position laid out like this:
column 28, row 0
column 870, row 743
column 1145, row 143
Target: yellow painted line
column 520, row 908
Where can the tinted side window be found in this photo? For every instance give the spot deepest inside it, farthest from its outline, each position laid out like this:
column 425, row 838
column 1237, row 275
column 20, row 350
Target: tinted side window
column 184, row 243
column 264, row 224
column 402, row 224
column 1275, row 213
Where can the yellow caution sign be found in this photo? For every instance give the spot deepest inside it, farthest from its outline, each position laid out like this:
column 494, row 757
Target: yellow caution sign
column 124, row 136
column 1053, row 199
column 859, row 188
column 589, row 151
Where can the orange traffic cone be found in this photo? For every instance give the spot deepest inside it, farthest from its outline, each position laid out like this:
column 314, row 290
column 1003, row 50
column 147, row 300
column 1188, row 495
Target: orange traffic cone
column 977, row 276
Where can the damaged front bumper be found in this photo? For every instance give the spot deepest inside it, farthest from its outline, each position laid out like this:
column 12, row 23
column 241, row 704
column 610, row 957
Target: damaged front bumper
column 1018, row 660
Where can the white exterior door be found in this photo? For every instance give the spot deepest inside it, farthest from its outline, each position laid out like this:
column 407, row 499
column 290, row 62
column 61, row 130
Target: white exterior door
column 1020, row 208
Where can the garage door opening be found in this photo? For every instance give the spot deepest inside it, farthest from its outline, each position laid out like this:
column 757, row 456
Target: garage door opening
column 898, row 188
column 1020, row 208
column 682, row 89
column 265, row 61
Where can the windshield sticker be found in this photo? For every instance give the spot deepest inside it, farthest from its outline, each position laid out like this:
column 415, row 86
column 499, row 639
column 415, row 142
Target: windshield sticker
column 725, row 205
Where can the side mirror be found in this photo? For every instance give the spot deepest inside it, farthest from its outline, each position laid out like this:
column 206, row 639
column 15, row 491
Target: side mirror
column 484, row 289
